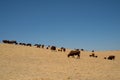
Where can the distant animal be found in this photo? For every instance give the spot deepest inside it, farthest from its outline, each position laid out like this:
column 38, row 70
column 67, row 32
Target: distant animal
column 82, row 49
column 24, row 44
column 38, row 45
column 74, row 53
column 9, row 42
column 93, row 51
column 63, row 49
column 42, row 46
column 93, row 55
column 111, row 57
column 29, row 44
column 5, row 41
column 48, row 47
column 53, row 48
column 60, row 50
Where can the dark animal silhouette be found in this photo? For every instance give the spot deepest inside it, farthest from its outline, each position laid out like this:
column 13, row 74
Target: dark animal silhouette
column 82, row 49
column 93, row 51
column 24, row 44
column 60, row 50
column 38, row 45
column 63, row 49
column 93, row 55
column 111, row 57
column 5, row 41
column 9, row 42
column 42, row 46
column 53, row 48
column 48, row 47
column 29, row 44
column 74, row 53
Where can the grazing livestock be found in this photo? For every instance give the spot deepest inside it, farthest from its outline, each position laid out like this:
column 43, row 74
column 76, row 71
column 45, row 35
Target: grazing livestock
column 24, row 44
column 38, row 45
column 9, row 42
column 53, row 48
column 82, row 49
column 93, row 51
column 111, row 57
column 63, row 49
column 93, row 55
column 42, row 46
column 60, row 50
column 74, row 53
column 29, row 44
column 48, row 47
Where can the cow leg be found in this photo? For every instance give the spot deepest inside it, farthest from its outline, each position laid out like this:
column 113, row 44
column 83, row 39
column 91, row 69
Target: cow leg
column 78, row 56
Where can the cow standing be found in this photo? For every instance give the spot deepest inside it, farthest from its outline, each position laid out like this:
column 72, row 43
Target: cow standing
column 74, row 53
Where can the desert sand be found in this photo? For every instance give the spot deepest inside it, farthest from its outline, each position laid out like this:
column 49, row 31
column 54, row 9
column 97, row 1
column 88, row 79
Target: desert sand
column 31, row 63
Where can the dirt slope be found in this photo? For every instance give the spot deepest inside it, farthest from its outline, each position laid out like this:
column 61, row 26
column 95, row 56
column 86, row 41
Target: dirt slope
column 30, row 63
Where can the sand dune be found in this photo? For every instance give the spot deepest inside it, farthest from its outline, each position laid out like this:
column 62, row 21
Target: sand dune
column 30, row 63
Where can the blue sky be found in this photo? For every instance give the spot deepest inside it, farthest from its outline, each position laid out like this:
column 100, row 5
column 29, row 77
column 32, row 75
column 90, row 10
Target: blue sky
column 88, row 24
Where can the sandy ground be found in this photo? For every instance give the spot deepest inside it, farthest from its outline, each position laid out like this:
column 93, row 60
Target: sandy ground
column 30, row 63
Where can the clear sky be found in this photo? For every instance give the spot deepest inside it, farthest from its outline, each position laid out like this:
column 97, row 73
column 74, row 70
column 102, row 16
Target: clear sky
column 87, row 24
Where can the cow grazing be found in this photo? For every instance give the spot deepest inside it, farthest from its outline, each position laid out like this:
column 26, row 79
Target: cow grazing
column 9, row 42
column 23, row 44
column 74, row 53
column 5, row 41
column 42, row 46
column 63, row 49
column 93, row 55
column 38, row 45
column 111, row 57
column 29, row 44
column 60, row 50
column 53, row 48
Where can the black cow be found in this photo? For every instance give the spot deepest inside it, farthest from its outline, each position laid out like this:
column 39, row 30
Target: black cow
column 9, row 42
column 42, row 46
column 24, row 44
column 74, row 53
column 53, row 48
column 111, row 57
column 38, row 45
column 29, row 44
column 5, row 41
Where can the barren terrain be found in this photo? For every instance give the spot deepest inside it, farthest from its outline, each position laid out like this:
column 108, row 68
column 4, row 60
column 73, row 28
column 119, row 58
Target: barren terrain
column 31, row 63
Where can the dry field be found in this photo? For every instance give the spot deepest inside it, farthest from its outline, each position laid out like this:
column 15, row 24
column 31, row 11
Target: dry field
column 30, row 63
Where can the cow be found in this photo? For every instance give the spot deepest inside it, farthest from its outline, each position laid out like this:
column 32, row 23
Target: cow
column 93, row 55
column 74, row 53
column 24, row 44
column 9, row 42
column 53, row 48
column 60, row 50
column 5, row 41
column 29, row 44
column 42, row 46
column 63, row 49
column 38, row 45
column 111, row 57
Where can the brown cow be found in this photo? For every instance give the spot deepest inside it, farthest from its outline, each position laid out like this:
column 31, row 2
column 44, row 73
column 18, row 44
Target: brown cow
column 74, row 53
column 111, row 57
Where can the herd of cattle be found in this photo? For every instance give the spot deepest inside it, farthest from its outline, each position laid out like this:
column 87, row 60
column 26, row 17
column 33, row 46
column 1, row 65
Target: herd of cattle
column 37, row 45
column 72, row 53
